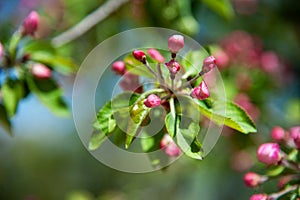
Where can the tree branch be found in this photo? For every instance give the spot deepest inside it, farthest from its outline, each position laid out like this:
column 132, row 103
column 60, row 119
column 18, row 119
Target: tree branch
column 88, row 22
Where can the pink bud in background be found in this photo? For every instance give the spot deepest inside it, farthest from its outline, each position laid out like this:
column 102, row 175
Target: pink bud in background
column 208, row 64
column 139, row 55
column 30, row 24
column 152, row 101
column 277, row 133
column 130, row 82
column 1, row 50
column 201, row 92
column 270, row 62
column 169, row 146
column 175, row 43
column 173, row 66
column 119, row 67
column 222, row 59
column 153, row 53
column 259, row 197
column 253, row 180
column 269, row 153
column 295, row 135
column 40, row 71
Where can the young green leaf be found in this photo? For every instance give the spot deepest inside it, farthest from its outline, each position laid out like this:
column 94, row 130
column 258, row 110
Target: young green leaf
column 60, row 64
column 138, row 113
column 4, row 121
column 106, row 124
column 136, row 67
column 221, row 7
column 12, row 93
column 233, row 116
column 192, row 62
column 48, row 92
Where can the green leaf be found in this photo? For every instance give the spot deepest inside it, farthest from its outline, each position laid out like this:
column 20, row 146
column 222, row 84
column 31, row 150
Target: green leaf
column 106, row 123
column 48, row 92
column 185, row 130
column 4, row 121
column 275, row 171
column 60, row 64
column 221, row 7
column 192, row 62
column 138, row 113
column 39, row 46
column 136, row 67
column 234, row 116
column 12, row 93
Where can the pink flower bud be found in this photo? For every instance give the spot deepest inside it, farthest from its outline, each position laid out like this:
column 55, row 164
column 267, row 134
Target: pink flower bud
column 175, row 43
column 169, row 146
column 201, row 92
column 30, row 24
column 253, row 180
column 153, row 53
column 208, row 64
column 269, row 153
column 259, row 197
column 222, row 59
column 295, row 135
column 119, row 67
column 139, row 55
column 277, row 133
column 152, row 101
column 1, row 50
column 173, row 66
column 40, row 71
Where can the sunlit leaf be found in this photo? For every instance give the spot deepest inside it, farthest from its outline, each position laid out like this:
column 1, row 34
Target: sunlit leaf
column 50, row 95
column 12, row 93
column 4, row 121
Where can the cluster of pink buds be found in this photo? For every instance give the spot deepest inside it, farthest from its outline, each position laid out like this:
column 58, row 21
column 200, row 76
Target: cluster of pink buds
column 168, row 80
column 272, row 154
column 168, row 145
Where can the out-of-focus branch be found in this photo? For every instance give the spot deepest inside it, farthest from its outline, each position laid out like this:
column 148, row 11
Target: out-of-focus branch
column 88, row 22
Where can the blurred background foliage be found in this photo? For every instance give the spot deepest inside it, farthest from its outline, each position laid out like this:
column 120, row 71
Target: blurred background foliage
column 46, row 160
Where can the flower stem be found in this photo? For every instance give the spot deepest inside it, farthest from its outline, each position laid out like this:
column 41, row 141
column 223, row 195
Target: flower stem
column 151, row 70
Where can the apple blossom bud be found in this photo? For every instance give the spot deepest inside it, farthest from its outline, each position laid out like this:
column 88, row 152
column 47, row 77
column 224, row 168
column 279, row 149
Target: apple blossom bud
column 175, row 43
column 152, row 101
column 295, row 135
column 153, row 53
column 169, row 146
column 139, row 55
column 40, row 71
column 277, row 133
column 30, row 24
column 201, row 92
column 119, row 67
column 253, row 180
column 259, row 197
column 173, row 67
column 269, row 153
column 208, row 64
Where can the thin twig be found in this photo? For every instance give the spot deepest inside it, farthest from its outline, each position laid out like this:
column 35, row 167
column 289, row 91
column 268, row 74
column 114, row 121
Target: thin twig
column 88, row 22
column 275, row 196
